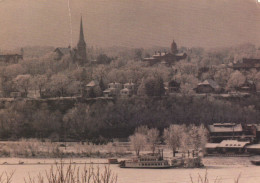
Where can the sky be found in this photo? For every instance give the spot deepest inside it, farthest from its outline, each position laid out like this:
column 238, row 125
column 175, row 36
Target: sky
column 129, row 23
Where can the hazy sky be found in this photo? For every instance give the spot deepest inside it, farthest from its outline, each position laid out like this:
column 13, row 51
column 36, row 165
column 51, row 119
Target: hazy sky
column 131, row 23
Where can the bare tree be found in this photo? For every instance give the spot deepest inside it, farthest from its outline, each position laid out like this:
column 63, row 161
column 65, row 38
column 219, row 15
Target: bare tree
column 152, row 138
column 138, row 141
column 59, row 83
column 194, row 137
column 236, row 79
column 23, row 83
column 172, row 137
column 203, row 136
column 39, row 83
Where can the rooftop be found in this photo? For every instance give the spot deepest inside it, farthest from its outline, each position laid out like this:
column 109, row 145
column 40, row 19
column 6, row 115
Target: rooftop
column 210, row 82
column 229, row 144
column 232, row 144
column 64, row 51
column 92, row 83
column 225, row 127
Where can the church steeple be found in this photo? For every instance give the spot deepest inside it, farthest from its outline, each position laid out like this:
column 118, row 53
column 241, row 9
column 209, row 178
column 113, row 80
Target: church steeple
column 81, row 34
column 81, row 46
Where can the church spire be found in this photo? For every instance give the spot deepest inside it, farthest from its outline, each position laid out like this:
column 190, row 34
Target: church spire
column 81, row 35
column 81, row 47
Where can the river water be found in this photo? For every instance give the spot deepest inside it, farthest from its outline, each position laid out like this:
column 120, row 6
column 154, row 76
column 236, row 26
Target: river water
column 225, row 170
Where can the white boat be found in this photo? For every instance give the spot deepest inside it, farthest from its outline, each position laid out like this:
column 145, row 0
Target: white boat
column 154, row 161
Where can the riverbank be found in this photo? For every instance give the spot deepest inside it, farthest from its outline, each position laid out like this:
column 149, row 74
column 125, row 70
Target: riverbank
column 33, row 148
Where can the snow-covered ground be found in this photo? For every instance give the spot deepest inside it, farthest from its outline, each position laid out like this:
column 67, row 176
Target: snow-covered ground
column 224, row 169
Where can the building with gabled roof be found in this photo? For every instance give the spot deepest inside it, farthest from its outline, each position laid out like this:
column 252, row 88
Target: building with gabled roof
column 208, row 86
column 60, row 52
column 227, row 147
column 167, row 58
column 113, row 89
column 11, row 57
column 247, row 64
column 232, row 131
column 129, row 89
column 92, row 83
column 172, row 87
column 247, row 87
column 78, row 54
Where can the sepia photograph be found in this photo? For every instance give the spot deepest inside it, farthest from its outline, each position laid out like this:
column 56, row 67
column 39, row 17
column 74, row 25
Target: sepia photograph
column 129, row 91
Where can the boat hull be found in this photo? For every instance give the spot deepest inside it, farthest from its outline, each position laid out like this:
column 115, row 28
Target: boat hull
column 148, row 167
column 257, row 163
column 145, row 165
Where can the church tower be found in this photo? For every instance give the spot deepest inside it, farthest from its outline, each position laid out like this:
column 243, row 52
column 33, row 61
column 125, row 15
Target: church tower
column 81, row 46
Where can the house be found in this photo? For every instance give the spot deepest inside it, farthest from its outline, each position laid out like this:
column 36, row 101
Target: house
column 125, row 92
column 93, row 89
column 11, row 58
column 247, row 87
column 208, row 86
column 92, row 84
column 113, row 89
column 228, row 131
column 60, row 52
column 167, row 58
column 233, row 138
column 77, row 54
column 224, row 131
column 128, row 90
column 247, row 64
column 33, row 94
column 171, row 87
column 227, row 147
column 130, row 86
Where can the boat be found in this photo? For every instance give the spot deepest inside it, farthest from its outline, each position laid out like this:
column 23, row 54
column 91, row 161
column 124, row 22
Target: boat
column 151, row 161
column 256, row 162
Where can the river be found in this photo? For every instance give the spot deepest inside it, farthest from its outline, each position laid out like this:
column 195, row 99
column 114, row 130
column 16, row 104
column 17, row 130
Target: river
column 224, row 169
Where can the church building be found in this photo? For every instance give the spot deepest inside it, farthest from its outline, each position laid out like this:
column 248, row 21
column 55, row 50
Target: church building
column 78, row 54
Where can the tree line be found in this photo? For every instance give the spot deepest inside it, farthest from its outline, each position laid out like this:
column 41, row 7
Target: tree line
column 100, row 121
column 55, row 78
column 176, row 137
